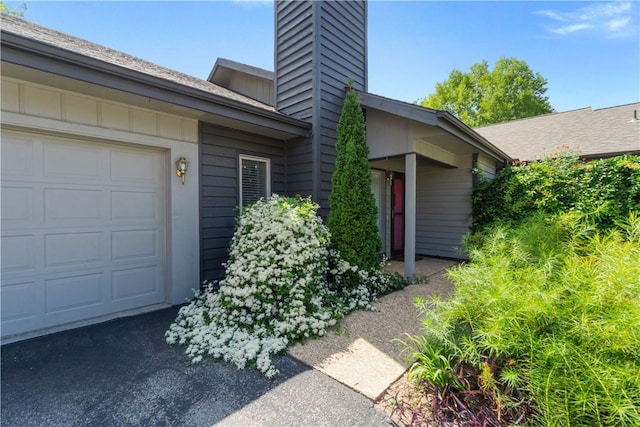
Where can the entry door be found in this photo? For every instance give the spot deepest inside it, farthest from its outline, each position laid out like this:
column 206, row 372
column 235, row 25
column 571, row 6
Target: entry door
column 397, row 214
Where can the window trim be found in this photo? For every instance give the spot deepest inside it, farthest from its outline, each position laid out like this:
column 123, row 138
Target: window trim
column 267, row 162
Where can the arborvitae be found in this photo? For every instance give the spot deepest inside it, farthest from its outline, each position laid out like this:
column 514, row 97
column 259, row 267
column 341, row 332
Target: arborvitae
column 352, row 220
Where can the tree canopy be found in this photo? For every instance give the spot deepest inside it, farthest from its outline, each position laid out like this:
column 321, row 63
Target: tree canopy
column 481, row 96
column 11, row 11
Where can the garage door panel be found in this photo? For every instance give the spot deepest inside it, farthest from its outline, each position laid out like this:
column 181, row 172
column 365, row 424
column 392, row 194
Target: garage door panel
column 73, row 162
column 72, row 204
column 135, row 168
column 18, row 254
column 140, row 282
column 17, row 205
column 19, row 301
column 136, row 206
column 133, row 245
column 70, row 249
column 18, row 157
column 74, row 293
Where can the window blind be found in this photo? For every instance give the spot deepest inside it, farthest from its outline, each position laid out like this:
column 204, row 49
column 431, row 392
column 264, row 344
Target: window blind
column 254, row 176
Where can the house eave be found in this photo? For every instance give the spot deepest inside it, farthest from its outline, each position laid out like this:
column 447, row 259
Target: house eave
column 227, row 64
column 30, row 53
column 456, row 126
column 436, row 118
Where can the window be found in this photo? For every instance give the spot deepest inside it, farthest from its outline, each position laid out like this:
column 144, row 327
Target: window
column 255, row 179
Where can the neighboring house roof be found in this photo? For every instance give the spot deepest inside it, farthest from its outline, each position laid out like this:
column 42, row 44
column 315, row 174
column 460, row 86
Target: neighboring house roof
column 21, row 38
column 438, row 118
column 604, row 132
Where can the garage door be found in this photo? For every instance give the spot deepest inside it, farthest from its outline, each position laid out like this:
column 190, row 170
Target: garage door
column 83, row 230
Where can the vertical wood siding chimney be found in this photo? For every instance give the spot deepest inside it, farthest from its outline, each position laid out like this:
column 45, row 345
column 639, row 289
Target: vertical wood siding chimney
column 319, row 47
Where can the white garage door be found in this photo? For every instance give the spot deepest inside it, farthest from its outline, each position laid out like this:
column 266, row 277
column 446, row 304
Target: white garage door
column 83, row 230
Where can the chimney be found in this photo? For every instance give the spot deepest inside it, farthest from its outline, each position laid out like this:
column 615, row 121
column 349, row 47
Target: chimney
column 319, row 47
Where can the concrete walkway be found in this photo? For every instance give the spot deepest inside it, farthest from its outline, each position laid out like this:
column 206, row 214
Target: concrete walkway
column 121, row 373
column 365, row 352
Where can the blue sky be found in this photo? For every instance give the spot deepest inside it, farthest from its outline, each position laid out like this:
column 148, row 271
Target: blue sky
column 588, row 51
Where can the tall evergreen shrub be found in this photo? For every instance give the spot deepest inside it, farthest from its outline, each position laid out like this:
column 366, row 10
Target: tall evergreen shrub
column 352, row 219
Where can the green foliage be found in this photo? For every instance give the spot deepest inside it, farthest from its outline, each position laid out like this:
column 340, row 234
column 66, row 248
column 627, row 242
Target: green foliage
column 551, row 308
column 608, row 189
column 432, row 363
column 481, row 97
column 11, row 11
column 353, row 216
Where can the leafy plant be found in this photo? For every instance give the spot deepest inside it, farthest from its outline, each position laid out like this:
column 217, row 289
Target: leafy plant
column 608, row 189
column 546, row 314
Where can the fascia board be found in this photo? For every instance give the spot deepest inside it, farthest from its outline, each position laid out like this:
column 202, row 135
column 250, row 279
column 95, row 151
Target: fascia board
column 442, row 119
column 455, row 126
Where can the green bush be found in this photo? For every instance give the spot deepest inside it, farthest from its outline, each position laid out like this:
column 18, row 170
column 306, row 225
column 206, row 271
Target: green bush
column 353, row 220
column 607, row 188
column 550, row 309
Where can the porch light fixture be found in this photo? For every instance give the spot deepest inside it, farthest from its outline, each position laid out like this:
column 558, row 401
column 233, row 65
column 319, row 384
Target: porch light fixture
column 182, row 165
column 389, row 176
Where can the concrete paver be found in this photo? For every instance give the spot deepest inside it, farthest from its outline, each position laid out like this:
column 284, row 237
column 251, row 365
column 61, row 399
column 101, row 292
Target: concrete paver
column 365, row 352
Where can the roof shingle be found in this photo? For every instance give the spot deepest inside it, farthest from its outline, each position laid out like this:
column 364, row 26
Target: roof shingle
column 593, row 133
column 29, row 30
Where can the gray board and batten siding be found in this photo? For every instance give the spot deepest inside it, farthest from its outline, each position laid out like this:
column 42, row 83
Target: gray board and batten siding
column 319, row 47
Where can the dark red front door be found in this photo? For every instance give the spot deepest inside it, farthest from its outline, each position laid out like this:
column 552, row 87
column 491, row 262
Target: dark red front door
column 397, row 214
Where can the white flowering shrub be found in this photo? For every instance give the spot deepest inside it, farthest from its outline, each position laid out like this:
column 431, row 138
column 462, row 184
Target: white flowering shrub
column 282, row 285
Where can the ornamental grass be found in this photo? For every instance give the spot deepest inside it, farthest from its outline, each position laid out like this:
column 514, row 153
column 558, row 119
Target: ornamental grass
column 543, row 329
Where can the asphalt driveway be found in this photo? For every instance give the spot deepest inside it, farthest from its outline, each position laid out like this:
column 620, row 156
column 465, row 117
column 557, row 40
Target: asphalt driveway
column 122, row 373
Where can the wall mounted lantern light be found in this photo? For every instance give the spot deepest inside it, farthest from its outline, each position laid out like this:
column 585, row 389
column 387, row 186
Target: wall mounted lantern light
column 182, row 165
column 389, row 176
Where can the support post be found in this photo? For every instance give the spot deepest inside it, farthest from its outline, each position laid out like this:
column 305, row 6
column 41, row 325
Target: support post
column 410, row 215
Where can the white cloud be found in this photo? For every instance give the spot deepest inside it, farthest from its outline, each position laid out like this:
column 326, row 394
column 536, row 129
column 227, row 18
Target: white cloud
column 618, row 24
column 612, row 19
column 567, row 29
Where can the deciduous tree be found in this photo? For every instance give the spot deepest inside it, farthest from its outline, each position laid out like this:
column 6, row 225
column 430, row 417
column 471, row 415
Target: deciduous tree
column 481, row 96
column 11, row 11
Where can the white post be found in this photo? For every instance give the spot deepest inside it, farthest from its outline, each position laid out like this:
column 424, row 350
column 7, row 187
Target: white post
column 410, row 215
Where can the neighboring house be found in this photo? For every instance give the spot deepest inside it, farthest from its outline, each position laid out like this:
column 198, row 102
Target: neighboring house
column 605, row 132
column 95, row 222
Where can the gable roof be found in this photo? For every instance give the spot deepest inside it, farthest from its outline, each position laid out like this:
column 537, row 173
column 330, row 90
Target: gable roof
column 224, row 66
column 27, row 44
column 253, row 82
column 603, row 132
column 437, row 118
